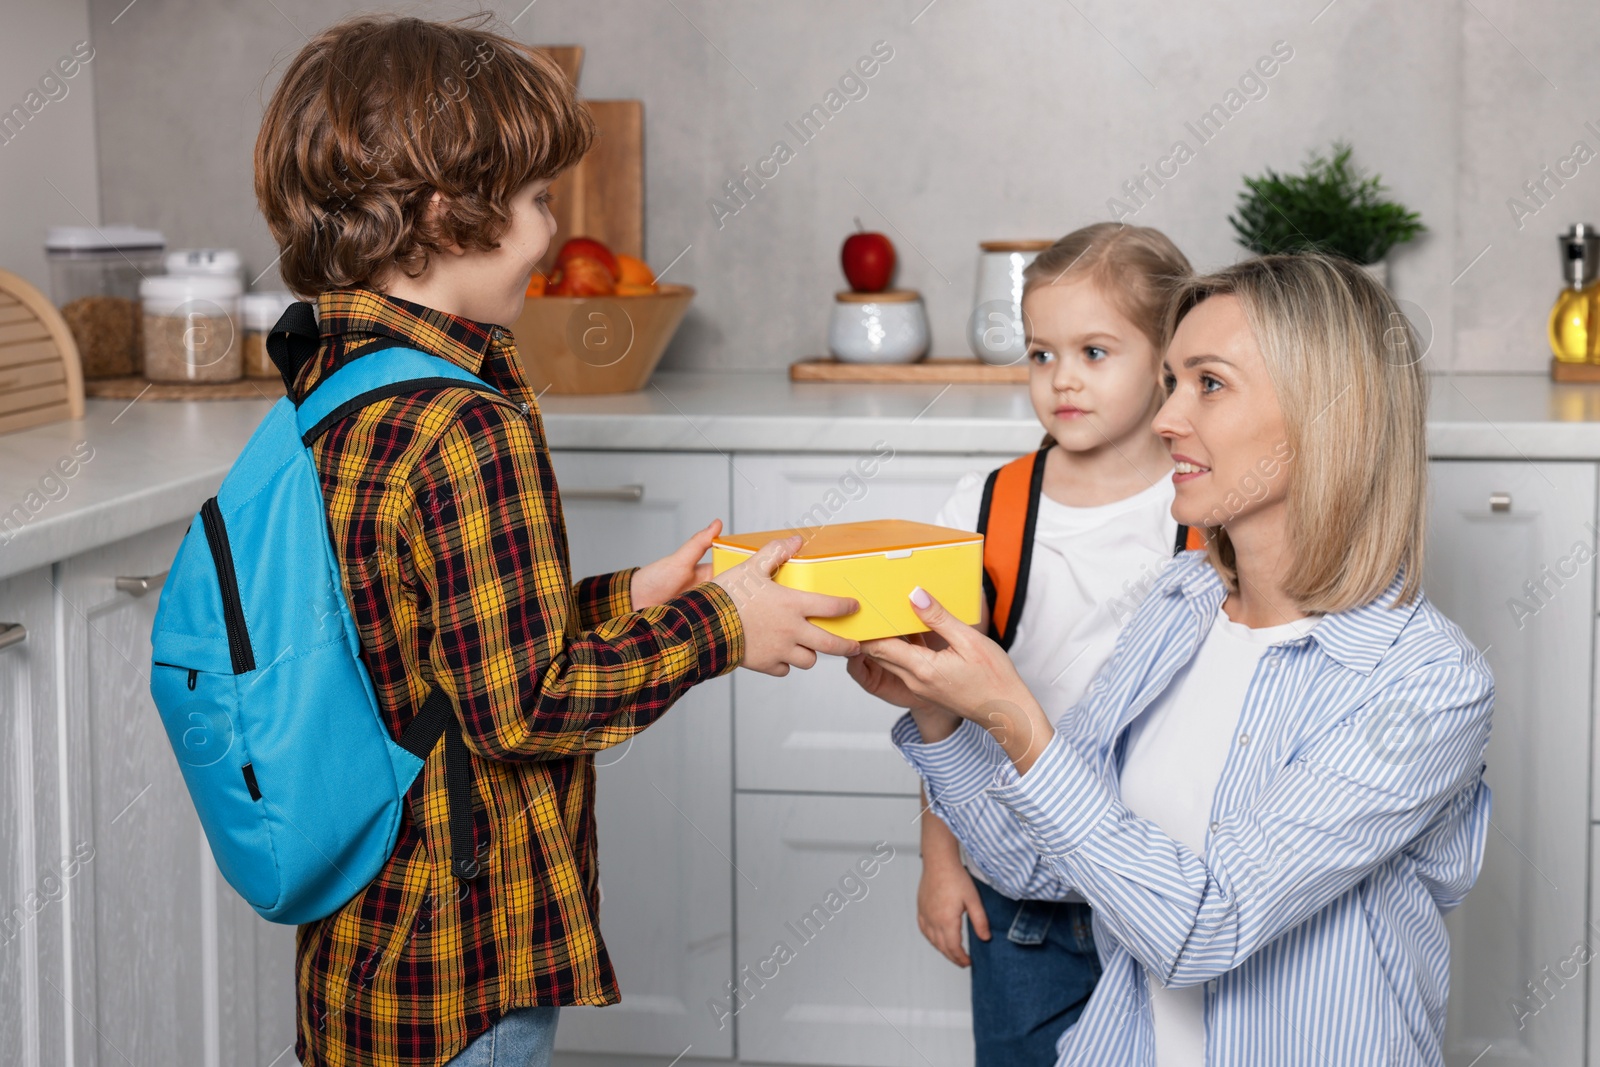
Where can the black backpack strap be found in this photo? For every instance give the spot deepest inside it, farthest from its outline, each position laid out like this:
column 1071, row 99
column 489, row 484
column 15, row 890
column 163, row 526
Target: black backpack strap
column 435, row 719
column 1183, row 539
column 293, row 341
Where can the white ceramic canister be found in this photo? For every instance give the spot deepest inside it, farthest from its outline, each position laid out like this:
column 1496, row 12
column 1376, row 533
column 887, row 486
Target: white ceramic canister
column 887, row 327
column 995, row 330
column 191, row 328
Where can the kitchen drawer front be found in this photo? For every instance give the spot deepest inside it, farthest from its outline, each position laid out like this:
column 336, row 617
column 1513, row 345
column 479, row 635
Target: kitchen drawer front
column 831, row 966
column 816, row 731
column 664, row 800
column 1495, row 527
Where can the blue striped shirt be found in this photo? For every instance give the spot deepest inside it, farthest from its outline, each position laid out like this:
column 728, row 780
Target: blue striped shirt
column 1342, row 830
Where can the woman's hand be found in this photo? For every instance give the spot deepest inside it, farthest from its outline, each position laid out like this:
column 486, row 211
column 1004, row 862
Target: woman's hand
column 933, row 722
column 971, row 676
column 658, row 582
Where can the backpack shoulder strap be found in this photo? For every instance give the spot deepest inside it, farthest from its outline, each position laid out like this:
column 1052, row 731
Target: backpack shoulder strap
column 1006, row 520
column 1189, row 539
column 360, row 382
column 367, row 380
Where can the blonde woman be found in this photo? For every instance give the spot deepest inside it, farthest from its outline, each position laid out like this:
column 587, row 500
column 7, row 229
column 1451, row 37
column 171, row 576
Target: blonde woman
column 1272, row 792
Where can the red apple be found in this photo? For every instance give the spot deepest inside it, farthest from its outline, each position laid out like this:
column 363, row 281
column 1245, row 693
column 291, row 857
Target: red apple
column 868, row 261
column 581, row 276
column 589, row 248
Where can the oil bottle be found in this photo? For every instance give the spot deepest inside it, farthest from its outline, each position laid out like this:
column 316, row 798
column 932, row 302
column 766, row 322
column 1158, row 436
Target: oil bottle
column 1575, row 318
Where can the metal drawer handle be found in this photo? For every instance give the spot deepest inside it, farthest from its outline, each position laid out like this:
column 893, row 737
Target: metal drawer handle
column 12, row 633
column 141, row 584
column 627, row 493
column 1500, row 503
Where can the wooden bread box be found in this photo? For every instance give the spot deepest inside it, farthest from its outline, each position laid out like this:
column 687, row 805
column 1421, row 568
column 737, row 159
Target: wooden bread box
column 40, row 377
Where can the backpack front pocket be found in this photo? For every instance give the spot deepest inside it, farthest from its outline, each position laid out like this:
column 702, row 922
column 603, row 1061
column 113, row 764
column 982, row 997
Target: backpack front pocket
column 200, row 712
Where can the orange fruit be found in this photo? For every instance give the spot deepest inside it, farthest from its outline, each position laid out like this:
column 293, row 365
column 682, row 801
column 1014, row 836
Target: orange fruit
column 536, row 284
column 634, row 271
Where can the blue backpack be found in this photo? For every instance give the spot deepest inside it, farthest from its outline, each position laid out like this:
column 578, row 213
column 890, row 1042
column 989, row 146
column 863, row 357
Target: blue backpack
column 257, row 668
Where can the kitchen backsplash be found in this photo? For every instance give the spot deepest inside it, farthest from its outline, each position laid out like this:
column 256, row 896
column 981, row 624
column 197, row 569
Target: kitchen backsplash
column 979, row 121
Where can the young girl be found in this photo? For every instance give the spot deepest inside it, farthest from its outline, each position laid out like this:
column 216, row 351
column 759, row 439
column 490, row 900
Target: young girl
column 1074, row 534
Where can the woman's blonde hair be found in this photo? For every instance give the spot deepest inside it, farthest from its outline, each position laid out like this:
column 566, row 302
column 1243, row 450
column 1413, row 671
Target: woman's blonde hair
column 1136, row 266
column 1345, row 363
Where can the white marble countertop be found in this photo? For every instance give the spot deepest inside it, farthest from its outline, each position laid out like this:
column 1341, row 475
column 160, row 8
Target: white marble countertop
column 154, row 462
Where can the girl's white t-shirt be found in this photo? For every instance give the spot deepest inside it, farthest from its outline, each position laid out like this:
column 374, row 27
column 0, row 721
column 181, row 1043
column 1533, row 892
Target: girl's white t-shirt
column 1091, row 567
column 1172, row 762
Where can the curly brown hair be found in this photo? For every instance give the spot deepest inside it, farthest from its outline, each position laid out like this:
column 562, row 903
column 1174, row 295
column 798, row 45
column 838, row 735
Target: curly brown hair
column 377, row 113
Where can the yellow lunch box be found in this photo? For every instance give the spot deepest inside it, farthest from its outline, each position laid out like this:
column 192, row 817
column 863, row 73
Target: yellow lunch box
column 878, row 563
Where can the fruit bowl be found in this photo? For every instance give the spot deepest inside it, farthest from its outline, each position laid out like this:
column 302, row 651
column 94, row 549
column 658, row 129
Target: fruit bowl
column 597, row 344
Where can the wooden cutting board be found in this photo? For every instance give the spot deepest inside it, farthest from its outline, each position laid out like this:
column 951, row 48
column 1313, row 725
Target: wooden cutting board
column 603, row 195
column 40, row 377
column 934, row 371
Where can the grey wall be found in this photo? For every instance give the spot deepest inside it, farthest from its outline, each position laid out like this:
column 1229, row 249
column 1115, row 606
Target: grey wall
column 1008, row 119
column 48, row 172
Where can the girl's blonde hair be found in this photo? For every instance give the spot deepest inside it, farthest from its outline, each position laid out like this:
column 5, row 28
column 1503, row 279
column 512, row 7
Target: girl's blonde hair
column 1345, row 363
column 1137, row 267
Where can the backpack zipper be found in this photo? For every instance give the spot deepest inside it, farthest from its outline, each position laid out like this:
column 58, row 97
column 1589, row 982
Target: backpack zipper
column 194, row 673
column 228, row 582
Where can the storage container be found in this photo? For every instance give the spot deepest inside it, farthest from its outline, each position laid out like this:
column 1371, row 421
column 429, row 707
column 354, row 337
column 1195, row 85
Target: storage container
column 996, row 331
column 94, row 279
column 191, row 329
column 222, row 262
column 888, row 327
column 878, row 563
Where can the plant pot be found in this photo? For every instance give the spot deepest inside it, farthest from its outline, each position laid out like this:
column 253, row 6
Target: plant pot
column 597, row 344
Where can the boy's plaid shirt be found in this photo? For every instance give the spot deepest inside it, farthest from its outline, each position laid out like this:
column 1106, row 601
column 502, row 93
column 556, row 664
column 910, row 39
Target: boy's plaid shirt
column 444, row 513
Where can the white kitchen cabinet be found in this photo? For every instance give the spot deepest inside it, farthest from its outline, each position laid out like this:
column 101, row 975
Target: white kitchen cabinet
column 664, row 801
column 33, row 879
column 168, row 964
column 831, row 966
column 1493, row 528
column 816, row 731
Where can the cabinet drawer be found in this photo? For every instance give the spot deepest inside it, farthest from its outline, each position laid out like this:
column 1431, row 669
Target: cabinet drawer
column 815, row 730
column 832, row 969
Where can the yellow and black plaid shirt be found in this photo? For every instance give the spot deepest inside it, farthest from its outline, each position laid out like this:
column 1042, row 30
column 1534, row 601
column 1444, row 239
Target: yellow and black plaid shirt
column 444, row 513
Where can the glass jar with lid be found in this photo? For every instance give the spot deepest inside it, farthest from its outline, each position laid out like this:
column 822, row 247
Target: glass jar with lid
column 191, row 329
column 95, row 273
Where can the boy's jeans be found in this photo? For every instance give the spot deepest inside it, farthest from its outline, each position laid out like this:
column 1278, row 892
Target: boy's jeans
column 1030, row 980
column 524, row 1037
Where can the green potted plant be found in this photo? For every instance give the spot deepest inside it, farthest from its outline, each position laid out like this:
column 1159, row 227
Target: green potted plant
column 1331, row 208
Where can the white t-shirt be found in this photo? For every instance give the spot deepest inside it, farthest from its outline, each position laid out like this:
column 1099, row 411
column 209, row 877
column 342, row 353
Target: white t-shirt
column 1091, row 567
column 1174, row 757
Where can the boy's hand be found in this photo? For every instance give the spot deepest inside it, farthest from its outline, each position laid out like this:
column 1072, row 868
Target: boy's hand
column 778, row 633
column 658, row 582
column 944, row 895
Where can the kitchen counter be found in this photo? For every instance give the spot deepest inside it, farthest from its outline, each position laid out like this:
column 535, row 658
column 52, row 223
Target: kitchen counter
column 153, row 462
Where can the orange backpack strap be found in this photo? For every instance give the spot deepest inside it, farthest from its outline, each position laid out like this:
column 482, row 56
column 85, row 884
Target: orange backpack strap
column 1006, row 520
column 1189, row 539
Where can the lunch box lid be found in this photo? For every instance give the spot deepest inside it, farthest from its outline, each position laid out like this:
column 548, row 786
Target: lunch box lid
column 847, row 539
